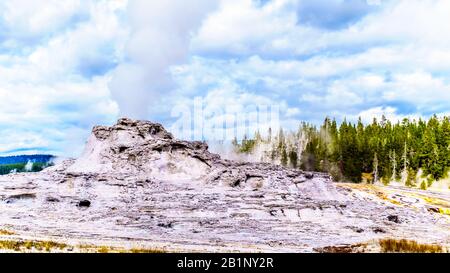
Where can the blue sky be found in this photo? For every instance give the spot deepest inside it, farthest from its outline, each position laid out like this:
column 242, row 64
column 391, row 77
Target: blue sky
column 68, row 65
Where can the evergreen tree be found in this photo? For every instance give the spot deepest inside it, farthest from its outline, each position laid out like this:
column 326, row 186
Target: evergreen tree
column 293, row 158
column 284, row 156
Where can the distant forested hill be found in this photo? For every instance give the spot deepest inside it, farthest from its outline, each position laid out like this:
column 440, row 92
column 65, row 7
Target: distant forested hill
column 24, row 163
column 25, row 159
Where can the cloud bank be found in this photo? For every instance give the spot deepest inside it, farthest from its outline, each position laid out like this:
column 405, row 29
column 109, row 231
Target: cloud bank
column 54, row 63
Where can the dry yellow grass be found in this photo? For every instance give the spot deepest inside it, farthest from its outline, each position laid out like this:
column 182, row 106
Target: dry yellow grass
column 444, row 211
column 408, row 246
column 48, row 246
column 103, row 249
column 444, row 206
column 30, row 245
column 106, row 249
column 145, row 250
column 356, row 248
column 6, row 232
column 436, row 201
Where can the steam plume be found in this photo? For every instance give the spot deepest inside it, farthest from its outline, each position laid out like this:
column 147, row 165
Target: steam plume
column 160, row 38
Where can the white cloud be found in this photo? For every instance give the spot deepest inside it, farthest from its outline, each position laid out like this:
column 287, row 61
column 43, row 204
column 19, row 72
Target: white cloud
column 421, row 89
column 37, row 17
column 243, row 28
column 49, row 95
column 390, row 113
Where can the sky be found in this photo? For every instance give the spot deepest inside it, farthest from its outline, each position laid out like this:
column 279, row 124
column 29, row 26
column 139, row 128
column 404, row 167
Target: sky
column 66, row 66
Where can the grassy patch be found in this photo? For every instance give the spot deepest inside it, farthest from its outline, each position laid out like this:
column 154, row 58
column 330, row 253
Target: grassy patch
column 147, row 250
column 357, row 248
column 6, row 232
column 444, row 211
column 48, row 246
column 444, row 206
column 408, row 246
column 103, row 249
column 436, row 201
column 97, row 249
column 107, row 249
column 30, row 245
column 384, row 197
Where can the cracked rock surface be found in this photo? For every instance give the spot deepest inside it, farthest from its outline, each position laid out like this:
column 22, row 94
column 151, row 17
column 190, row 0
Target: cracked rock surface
column 135, row 184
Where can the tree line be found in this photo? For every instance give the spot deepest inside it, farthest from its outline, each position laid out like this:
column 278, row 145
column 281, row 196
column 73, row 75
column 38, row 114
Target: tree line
column 17, row 159
column 24, row 163
column 406, row 151
column 22, row 167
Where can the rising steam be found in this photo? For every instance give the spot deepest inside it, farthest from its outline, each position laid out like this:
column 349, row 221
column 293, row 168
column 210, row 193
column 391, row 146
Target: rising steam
column 160, row 38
